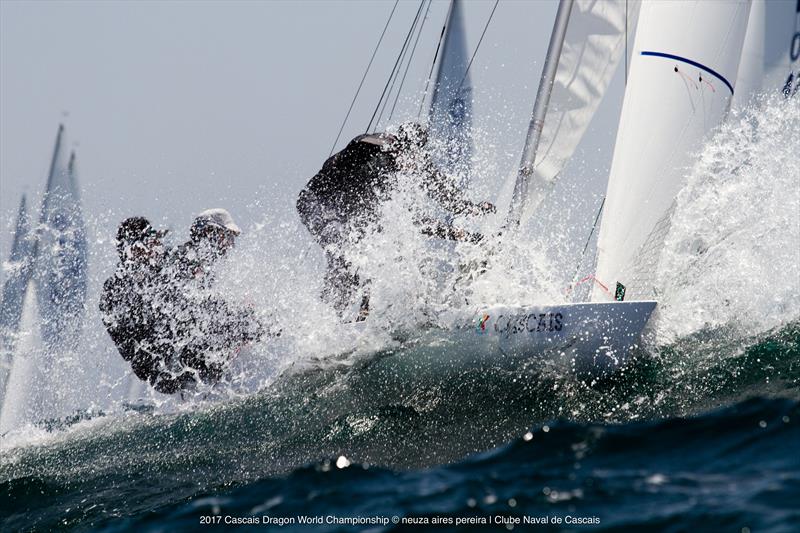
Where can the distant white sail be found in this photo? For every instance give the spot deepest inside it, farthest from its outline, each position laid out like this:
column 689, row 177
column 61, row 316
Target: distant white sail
column 593, row 47
column 680, row 87
column 60, row 274
column 771, row 54
column 18, row 274
column 23, row 392
column 450, row 114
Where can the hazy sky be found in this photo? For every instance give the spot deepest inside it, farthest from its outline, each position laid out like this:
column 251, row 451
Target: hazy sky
column 174, row 107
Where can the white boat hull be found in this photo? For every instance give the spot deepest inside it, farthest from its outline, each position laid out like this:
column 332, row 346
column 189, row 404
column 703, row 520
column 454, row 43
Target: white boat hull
column 592, row 337
column 588, row 338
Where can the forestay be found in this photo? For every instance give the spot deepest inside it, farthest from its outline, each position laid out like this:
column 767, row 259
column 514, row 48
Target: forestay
column 685, row 61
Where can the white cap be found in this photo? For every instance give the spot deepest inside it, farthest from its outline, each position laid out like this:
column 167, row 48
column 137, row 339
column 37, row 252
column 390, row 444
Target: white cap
column 217, row 217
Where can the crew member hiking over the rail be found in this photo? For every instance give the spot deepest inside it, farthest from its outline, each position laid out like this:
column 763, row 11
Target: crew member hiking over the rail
column 172, row 333
column 344, row 198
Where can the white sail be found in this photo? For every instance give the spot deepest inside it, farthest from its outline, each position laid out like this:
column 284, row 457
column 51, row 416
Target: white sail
column 680, row 87
column 593, row 47
column 60, row 273
column 450, row 113
column 18, row 274
column 24, row 392
column 771, row 55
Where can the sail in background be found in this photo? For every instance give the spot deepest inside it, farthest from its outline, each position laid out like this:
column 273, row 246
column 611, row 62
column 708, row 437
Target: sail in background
column 450, row 113
column 18, row 274
column 593, row 47
column 60, row 272
column 771, row 55
column 680, row 87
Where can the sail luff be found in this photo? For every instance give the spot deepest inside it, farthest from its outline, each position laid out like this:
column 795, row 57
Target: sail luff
column 540, row 110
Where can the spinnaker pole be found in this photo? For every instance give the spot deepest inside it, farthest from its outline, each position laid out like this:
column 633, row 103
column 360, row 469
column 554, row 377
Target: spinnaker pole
column 539, row 112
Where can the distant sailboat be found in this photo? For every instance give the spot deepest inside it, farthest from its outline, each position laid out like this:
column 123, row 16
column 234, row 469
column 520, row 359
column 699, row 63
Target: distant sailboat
column 18, row 275
column 61, row 255
column 46, row 297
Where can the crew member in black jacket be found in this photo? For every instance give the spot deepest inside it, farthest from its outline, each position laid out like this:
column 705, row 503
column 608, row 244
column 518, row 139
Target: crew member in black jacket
column 171, row 336
column 344, row 197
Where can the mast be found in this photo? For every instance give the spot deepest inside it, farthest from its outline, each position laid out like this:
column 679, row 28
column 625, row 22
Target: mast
column 539, row 111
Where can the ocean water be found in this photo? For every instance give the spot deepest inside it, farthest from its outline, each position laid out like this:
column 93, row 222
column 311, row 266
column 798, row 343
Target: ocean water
column 700, row 431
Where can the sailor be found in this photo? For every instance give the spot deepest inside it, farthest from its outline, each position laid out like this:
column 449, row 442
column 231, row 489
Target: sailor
column 129, row 304
column 221, row 327
column 173, row 336
column 343, row 199
column 212, row 234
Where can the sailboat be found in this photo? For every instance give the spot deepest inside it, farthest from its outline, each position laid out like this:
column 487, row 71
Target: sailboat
column 680, row 86
column 682, row 64
column 48, row 293
column 61, row 254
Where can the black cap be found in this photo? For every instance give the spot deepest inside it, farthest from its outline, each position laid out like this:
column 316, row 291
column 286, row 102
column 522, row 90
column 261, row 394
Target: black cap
column 135, row 229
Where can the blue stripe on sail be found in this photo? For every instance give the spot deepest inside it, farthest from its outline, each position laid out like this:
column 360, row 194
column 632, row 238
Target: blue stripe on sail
column 693, row 63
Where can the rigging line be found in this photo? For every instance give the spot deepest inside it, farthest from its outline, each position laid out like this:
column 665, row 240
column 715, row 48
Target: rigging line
column 589, row 238
column 396, row 74
column 364, row 77
column 414, row 49
column 405, row 43
column 435, row 55
column 479, row 43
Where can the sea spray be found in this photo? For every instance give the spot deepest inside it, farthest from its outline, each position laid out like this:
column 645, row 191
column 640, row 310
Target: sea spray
column 730, row 259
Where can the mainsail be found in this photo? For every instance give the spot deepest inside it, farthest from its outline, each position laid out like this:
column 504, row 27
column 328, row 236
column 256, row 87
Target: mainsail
column 594, row 42
column 60, row 270
column 450, row 113
column 680, row 86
